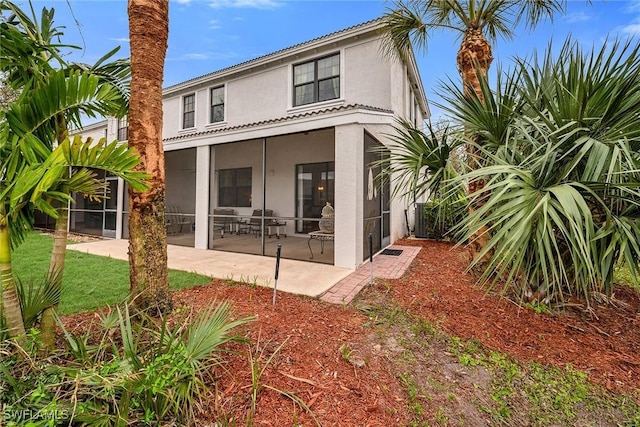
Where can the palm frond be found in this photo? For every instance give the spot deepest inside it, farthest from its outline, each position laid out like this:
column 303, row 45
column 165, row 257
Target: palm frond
column 418, row 162
column 561, row 202
column 209, row 331
column 403, row 25
column 37, row 297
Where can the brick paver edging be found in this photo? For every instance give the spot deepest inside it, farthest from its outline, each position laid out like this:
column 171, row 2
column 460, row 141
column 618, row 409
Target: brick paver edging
column 384, row 266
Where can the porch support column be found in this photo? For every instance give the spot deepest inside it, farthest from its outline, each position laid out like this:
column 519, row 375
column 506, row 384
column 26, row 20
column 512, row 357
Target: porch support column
column 202, row 196
column 349, row 158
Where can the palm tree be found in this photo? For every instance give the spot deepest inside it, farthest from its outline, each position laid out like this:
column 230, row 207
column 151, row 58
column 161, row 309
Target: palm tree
column 148, row 34
column 31, row 59
column 33, row 173
column 561, row 136
column 478, row 22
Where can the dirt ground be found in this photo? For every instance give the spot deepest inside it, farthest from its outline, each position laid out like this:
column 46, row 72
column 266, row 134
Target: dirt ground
column 330, row 359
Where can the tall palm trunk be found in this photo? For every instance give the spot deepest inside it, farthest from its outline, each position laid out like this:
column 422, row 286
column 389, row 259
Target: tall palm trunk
column 474, row 59
column 9, row 304
column 148, row 34
column 58, row 252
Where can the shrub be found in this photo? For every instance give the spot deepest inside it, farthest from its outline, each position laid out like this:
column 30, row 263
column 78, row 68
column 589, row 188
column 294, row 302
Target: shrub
column 441, row 217
column 131, row 369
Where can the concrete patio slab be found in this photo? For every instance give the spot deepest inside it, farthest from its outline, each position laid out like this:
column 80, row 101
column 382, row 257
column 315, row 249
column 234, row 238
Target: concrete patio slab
column 297, row 277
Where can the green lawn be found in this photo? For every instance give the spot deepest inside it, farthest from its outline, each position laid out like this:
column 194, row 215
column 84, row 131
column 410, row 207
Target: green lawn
column 90, row 281
column 622, row 276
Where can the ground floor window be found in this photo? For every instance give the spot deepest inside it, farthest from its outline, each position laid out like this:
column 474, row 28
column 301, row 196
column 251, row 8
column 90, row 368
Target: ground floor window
column 234, row 187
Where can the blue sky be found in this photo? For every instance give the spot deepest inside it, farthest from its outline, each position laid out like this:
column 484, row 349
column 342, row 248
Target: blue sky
column 207, row 35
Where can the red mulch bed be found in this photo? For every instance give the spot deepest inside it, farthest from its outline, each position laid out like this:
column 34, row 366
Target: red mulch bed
column 605, row 343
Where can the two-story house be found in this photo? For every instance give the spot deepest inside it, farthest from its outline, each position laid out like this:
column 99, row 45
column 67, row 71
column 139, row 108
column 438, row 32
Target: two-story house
column 254, row 152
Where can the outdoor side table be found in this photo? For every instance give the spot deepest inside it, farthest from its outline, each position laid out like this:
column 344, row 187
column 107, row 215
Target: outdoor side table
column 277, row 225
column 322, row 237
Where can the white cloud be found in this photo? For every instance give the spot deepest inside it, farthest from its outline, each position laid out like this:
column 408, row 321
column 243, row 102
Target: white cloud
column 633, row 7
column 576, row 17
column 183, row 1
column 201, row 56
column 196, row 56
column 214, row 25
column 245, row 4
column 121, row 39
column 631, row 29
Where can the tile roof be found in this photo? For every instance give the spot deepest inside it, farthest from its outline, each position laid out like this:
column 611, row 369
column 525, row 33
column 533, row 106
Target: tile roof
column 313, row 113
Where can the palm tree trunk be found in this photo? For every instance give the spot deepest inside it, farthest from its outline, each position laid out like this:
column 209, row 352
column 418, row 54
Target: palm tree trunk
column 56, row 268
column 58, row 252
column 474, row 59
column 148, row 34
column 9, row 304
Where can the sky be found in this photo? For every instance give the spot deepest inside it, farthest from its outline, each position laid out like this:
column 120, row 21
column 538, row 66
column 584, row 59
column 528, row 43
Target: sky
column 208, row 35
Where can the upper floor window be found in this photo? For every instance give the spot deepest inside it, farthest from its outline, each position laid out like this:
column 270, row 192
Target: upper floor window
column 189, row 111
column 217, row 105
column 123, row 129
column 317, row 80
column 412, row 107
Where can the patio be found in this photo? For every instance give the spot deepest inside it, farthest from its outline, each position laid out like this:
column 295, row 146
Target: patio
column 332, row 284
column 294, row 247
column 304, row 278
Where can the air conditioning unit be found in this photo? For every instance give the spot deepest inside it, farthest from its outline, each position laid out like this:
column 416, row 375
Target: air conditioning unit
column 420, row 226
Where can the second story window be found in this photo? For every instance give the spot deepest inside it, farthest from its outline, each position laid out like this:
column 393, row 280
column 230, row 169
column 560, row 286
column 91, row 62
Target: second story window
column 189, row 111
column 217, row 105
column 123, row 129
column 317, row 80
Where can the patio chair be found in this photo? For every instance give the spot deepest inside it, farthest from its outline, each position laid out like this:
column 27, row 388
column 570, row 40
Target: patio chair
column 176, row 220
column 223, row 219
column 254, row 226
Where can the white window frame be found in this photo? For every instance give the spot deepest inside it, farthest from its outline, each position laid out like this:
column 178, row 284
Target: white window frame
column 224, row 108
column 313, row 105
column 182, row 112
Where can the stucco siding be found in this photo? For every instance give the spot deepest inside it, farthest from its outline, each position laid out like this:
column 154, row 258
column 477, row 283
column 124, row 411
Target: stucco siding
column 366, row 79
column 257, row 97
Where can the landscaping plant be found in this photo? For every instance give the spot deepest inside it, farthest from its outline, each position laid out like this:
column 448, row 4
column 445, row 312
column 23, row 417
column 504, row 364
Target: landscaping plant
column 560, row 140
column 130, row 369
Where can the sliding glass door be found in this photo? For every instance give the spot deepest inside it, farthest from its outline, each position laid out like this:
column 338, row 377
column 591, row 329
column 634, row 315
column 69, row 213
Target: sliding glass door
column 315, row 186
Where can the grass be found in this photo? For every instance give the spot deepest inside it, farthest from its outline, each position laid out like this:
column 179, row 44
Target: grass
column 90, row 281
column 622, row 276
column 513, row 393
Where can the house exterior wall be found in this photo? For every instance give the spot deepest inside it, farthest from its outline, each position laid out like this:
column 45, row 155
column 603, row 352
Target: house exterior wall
column 349, row 140
column 96, row 131
column 258, row 112
column 284, row 153
column 267, row 92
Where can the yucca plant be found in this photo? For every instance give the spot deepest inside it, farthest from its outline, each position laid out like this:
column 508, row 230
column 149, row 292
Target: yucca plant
column 560, row 139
